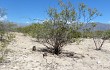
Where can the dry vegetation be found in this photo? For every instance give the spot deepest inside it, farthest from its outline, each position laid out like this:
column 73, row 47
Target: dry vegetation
column 64, row 42
column 73, row 56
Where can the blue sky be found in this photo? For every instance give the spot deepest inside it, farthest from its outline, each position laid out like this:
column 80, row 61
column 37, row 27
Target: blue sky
column 20, row 10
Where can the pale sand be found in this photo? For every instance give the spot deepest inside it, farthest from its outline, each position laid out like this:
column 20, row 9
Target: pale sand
column 21, row 57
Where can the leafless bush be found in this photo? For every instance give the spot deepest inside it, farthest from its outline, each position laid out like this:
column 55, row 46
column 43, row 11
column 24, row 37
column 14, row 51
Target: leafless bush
column 99, row 42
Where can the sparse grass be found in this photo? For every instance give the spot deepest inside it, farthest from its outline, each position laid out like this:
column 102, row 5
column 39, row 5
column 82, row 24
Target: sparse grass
column 7, row 38
column 1, row 59
column 78, row 41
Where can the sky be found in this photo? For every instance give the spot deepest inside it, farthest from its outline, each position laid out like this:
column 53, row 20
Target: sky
column 23, row 11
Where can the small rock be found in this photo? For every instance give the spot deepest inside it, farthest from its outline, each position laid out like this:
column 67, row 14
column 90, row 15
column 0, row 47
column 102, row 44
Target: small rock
column 34, row 48
column 45, row 54
column 98, row 62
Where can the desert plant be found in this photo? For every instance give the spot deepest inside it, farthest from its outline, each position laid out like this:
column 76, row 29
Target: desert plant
column 61, row 28
column 99, row 37
column 5, row 36
column 64, row 26
column 99, row 40
column 57, row 32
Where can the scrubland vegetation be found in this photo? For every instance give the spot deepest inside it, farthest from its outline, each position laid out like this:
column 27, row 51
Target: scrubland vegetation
column 65, row 27
column 62, row 28
column 5, row 35
column 5, row 38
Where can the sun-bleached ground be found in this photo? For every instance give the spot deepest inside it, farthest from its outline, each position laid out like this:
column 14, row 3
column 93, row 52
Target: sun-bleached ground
column 21, row 56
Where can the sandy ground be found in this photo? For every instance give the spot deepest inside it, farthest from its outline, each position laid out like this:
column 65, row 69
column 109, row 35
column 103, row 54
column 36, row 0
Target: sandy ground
column 21, row 56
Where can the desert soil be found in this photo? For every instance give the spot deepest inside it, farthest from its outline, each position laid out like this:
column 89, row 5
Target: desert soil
column 74, row 57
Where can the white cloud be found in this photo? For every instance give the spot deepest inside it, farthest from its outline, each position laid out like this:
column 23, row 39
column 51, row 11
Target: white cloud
column 27, row 22
column 92, row 21
column 3, row 18
column 108, row 21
